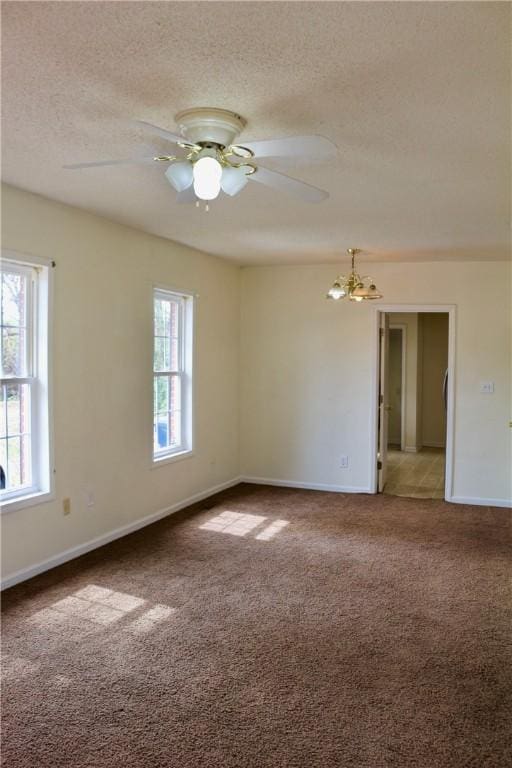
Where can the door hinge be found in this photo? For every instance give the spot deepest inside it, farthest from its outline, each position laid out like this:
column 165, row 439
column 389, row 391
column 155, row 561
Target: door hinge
column 379, row 464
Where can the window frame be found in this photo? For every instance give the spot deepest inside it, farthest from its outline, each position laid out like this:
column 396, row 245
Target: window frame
column 184, row 371
column 38, row 377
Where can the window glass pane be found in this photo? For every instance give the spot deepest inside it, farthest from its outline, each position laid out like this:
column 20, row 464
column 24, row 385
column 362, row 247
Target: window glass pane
column 162, row 317
column 3, row 410
column 175, row 411
column 161, row 431
column 162, row 360
column 14, row 294
column 175, row 393
column 3, row 457
column 16, row 441
column 13, row 352
column 18, row 409
column 167, row 423
column 13, row 409
column 174, row 355
column 13, row 315
column 175, row 428
column 13, row 462
column 161, row 393
column 175, row 314
column 25, row 461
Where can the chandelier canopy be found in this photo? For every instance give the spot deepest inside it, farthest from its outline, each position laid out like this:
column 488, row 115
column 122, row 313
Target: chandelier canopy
column 354, row 286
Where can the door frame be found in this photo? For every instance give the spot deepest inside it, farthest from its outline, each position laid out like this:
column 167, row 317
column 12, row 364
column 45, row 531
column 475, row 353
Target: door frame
column 403, row 328
column 450, row 310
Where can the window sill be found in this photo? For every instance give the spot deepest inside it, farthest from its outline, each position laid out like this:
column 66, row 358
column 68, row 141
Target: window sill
column 172, row 458
column 30, row 500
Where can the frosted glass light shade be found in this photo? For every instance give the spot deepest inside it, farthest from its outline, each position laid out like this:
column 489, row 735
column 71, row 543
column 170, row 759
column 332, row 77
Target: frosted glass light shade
column 233, row 180
column 336, row 291
column 371, row 292
column 180, row 175
column 207, row 175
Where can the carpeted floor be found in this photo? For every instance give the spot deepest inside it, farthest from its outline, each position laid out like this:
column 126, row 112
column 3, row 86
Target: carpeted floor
column 270, row 628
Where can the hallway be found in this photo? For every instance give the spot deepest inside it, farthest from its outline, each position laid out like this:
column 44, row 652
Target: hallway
column 416, row 475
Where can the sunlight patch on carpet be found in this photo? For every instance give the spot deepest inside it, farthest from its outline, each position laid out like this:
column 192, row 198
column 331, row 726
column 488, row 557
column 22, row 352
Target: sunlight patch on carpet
column 235, row 523
column 101, row 606
column 271, row 530
column 148, row 620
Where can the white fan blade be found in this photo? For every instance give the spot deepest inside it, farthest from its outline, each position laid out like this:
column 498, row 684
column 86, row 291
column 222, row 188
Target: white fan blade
column 294, row 146
column 294, row 187
column 186, row 196
column 164, row 133
column 99, row 163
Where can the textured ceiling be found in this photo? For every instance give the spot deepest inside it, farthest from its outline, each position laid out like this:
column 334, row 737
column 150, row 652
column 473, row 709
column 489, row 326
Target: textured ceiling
column 415, row 95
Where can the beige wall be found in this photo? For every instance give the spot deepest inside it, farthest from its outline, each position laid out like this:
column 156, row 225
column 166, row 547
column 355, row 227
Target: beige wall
column 102, row 374
column 434, row 354
column 307, row 364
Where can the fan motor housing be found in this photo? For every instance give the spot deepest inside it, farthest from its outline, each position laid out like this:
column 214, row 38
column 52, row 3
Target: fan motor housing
column 208, row 124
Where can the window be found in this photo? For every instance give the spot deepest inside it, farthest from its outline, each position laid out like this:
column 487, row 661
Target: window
column 24, row 423
column 172, row 374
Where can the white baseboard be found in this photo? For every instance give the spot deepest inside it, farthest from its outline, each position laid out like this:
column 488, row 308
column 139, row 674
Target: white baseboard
column 411, row 449
column 481, row 502
column 106, row 538
column 434, row 445
column 306, row 486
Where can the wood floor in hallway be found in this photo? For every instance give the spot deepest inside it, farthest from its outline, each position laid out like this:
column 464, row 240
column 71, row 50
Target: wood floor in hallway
column 416, row 475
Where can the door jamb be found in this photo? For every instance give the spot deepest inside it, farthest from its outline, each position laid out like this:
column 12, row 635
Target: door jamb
column 450, row 310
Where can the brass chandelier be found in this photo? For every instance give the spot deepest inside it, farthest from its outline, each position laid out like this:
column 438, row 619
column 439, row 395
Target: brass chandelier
column 354, row 286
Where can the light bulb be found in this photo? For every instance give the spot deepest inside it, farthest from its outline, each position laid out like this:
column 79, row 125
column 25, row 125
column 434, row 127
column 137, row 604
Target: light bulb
column 233, row 180
column 336, row 291
column 180, row 175
column 207, row 174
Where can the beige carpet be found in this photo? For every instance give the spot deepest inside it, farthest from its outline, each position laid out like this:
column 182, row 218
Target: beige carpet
column 276, row 629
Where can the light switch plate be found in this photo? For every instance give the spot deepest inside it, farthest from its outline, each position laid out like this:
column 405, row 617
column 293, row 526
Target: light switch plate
column 487, row 387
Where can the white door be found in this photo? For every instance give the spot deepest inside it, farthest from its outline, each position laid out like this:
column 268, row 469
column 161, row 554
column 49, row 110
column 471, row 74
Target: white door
column 382, row 455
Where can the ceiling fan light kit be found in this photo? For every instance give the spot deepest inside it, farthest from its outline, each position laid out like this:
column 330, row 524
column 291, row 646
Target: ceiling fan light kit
column 354, row 286
column 180, row 175
column 213, row 162
column 233, row 180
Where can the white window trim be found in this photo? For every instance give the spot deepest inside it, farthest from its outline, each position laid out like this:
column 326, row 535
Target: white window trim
column 188, row 351
column 44, row 490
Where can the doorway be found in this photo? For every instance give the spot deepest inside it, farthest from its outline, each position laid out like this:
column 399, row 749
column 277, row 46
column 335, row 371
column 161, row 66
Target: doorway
column 414, row 403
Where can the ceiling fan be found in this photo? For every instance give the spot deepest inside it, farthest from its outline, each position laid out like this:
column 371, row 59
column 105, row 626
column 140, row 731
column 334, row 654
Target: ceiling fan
column 209, row 161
